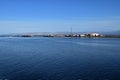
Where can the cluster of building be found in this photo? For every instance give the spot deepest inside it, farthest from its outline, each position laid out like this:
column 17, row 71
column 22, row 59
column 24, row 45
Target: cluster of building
column 59, row 35
column 74, row 35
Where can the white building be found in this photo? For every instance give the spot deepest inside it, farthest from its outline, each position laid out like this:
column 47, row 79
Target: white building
column 94, row 34
column 82, row 35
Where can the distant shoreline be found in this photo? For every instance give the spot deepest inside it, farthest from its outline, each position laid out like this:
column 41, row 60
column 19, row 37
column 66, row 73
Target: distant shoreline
column 78, row 35
column 107, row 36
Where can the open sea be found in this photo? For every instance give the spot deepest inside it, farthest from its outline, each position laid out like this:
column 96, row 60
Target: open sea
column 42, row 58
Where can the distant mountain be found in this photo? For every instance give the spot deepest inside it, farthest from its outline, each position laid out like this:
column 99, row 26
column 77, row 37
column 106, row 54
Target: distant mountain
column 114, row 33
column 117, row 33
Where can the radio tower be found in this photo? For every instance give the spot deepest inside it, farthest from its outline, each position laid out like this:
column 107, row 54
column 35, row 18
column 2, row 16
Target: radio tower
column 71, row 32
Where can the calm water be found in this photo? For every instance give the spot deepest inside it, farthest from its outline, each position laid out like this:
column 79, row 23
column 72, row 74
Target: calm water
column 59, row 59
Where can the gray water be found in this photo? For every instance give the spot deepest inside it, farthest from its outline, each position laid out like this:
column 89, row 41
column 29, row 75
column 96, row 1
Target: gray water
column 59, row 58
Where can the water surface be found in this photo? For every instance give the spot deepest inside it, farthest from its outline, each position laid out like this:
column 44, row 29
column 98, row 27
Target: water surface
column 59, row 58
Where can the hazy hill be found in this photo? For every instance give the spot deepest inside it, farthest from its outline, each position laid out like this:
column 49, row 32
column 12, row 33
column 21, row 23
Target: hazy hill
column 112, row 33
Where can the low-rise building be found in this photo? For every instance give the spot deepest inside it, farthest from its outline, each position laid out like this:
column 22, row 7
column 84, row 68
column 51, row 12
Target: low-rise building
column 82, row 35
column 94, row 34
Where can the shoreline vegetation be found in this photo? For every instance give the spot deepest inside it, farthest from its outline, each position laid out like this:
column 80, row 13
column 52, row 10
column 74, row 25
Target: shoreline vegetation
column 90, row 35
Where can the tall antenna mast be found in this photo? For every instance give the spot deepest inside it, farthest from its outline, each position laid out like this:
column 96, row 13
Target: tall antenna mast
column 71, row 31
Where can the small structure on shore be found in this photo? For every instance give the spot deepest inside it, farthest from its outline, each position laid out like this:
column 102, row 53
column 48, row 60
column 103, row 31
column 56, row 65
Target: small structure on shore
column 82, row 35
column 94, row 35
column 26, row 36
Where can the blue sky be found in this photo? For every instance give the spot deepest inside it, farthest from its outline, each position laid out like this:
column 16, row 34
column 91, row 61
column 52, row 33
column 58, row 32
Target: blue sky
column 17, row 16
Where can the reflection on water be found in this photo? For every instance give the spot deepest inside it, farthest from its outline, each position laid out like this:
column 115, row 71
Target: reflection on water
column 59, row 59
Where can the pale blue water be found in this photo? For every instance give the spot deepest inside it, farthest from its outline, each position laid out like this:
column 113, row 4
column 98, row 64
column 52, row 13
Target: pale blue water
column 59, row 59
